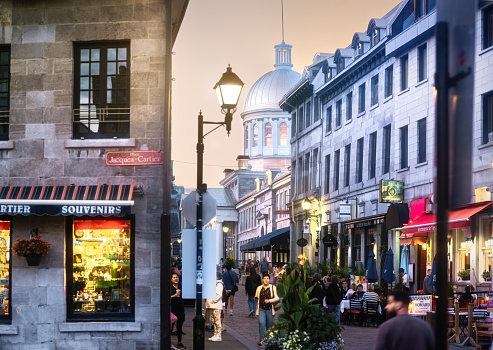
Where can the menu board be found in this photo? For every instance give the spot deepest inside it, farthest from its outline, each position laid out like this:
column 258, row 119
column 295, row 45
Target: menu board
column 420, row 304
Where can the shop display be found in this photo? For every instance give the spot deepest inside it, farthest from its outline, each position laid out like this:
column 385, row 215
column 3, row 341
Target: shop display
column 4, row 267
column 101, row 266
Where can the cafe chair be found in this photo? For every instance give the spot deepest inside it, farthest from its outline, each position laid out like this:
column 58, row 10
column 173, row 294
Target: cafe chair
column 355, row 311
column 483, row 341
column 371, row 311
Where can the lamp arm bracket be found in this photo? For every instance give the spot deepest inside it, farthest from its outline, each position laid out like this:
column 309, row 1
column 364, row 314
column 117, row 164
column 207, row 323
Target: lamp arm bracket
column 217, row 127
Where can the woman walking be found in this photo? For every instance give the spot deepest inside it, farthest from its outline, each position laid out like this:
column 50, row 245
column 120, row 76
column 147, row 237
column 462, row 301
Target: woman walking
column 252, row 283
column 177, row 307
column 266, row 297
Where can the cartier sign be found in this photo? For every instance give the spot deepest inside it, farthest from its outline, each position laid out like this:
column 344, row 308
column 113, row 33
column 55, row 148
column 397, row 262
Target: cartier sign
column 134, row 158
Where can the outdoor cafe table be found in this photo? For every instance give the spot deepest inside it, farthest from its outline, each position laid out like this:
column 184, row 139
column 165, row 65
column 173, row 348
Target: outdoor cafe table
column 345, row 306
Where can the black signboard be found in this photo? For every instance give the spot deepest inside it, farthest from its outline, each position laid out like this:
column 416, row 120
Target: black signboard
column 65, row 210
column 301, row 242
column 329, row 240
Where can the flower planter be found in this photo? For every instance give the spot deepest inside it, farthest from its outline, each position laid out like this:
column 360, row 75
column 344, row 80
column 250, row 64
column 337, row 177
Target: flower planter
column 33, row 260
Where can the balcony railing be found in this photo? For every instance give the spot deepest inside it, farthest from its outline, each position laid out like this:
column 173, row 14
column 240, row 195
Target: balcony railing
column 108, row 122
column 4, row 125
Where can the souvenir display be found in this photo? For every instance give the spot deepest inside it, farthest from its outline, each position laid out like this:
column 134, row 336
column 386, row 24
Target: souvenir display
column 4, row 267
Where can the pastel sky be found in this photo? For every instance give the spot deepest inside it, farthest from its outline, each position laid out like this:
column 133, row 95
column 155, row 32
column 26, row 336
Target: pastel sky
column 243, row 33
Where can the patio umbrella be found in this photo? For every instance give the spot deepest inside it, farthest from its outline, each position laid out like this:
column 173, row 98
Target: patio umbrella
column 405, row 259
column 433, row 277
column 371, row 268
column 388, row 274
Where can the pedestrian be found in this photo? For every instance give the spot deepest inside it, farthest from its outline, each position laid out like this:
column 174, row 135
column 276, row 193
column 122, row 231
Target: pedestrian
column 266, row 298
column 405, row 280
column 333, row 298
column 427, row 287
column 344, row 287
column 466, row 298
column 318, row 291
column 216, row 308
column 177, row 307
column 230, row 279
column 252, row 282
column 264, row 266
column 403, row 332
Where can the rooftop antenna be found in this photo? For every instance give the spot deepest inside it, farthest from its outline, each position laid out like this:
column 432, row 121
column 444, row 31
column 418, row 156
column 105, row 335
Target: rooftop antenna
column 282, row 19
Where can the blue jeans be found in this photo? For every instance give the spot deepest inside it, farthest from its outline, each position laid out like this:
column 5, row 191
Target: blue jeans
column 265, row 319
column 337, row 310
column 252, row 304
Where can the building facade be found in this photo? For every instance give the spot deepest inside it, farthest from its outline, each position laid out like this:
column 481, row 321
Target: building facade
column 82, row 105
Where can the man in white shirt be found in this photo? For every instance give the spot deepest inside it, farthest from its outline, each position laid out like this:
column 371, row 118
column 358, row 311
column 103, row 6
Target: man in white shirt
column 405, row 280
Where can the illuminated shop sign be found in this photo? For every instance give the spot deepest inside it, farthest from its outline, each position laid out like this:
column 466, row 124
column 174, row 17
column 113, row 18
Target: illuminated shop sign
column 391, row 191
column 78, row 210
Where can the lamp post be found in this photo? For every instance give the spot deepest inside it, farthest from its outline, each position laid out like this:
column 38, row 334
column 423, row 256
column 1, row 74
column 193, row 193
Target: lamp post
column 306, row 206
column 228, row 90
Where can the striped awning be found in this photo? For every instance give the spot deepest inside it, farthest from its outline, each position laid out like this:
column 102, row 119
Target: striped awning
column 77, row 200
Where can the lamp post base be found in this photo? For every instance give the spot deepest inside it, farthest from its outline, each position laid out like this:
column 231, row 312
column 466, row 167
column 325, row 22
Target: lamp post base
column 198, row 332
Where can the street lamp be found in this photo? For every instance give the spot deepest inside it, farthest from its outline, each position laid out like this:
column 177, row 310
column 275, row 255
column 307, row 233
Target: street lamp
column 228, row 90
column 306, row 207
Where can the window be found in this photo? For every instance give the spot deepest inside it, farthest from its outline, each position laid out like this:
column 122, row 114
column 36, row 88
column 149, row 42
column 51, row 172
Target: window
column 359, row 160
column 347, row 164
column 283, row 134
column 361, row 101
column 422, row 66
column 404, row 73
column 4, row 92
column 349, row 106
column 255, row 135
column 293, row 124
column 306, row 175
column 422, row 140
column 102, row 90
column 328, row 120
column 358, row 49
column 419, row 8
column 488, row 117
column 100, row 270
column 338, row 113
column 314, row 168
column 374, row 36
column 327, row 173
column 404, row 147
column 389, row 79
column 300, row 119
column 246, row 136
column 340, row 64
column 374, row 90
column 487, row 27
column 372, row 156
column 5, row 272
column 300, row 175
column 294, row 175
column 387, row 132
column 268, row 135
column 316, row 113
column 308, row 116
column 337, row 165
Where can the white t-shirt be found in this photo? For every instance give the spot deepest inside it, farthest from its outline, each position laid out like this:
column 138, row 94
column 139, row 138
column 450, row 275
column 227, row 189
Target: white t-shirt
column 405, row 280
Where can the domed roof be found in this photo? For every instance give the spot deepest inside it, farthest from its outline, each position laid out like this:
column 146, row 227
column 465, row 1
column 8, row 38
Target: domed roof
column 269, row 89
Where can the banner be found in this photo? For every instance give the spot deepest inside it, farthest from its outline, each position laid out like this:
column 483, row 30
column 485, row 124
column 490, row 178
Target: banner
column 420, row 304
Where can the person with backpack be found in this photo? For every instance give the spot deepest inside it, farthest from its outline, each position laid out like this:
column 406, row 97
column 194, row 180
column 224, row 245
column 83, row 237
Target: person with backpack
column 251, row 284
column 216, row 308
column 230, row 279
column 266, row 298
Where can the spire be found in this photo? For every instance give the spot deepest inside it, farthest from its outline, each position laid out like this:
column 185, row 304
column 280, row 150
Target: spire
column 283, row 50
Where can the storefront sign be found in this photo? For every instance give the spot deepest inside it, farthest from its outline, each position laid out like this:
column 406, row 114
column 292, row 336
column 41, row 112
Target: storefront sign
column 78, row 210
column 420, row 304
column 329, row 240
column 101, row 224
column 344, row 209
column 365, row 223
column 134, row 158
column 281, row 212
column 391, row 191
column 4, row 225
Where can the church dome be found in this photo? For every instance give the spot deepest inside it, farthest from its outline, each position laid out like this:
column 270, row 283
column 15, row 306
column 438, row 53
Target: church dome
column 269, row 89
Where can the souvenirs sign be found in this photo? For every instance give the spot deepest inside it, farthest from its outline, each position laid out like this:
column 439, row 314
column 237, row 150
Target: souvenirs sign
column 420, row 304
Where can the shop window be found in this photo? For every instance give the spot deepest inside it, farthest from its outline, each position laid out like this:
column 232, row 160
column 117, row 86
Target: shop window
column 487, row 232
column 5, row 283
column 4, row 92
column 101, row 90
column 100, row 270
column 465, row 246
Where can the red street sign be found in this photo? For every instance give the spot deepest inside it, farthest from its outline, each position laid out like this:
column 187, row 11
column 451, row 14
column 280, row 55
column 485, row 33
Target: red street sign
column 134, row 158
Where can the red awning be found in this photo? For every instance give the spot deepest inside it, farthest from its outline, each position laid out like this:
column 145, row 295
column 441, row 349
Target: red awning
column 457, row 218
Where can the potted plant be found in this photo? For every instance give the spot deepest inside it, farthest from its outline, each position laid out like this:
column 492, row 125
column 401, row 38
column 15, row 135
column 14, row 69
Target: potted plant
column 464, row 275
column 32, row 249
column 486, row 275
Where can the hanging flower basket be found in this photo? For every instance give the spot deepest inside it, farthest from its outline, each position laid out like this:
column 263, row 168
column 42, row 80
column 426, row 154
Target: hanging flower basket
column 32, row 249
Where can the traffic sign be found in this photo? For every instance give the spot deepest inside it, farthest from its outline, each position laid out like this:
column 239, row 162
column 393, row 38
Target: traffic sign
column 189, row 207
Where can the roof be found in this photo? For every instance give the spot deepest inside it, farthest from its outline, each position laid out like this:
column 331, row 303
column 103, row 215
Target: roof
column 224, row 196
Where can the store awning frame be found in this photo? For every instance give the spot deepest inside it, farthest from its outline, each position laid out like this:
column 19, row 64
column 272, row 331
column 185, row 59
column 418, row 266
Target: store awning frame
column 276, row 237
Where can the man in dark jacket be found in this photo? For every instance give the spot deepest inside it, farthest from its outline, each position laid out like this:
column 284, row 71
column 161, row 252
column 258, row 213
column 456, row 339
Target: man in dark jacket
column 230, row 279
column 334, row 297
column 318, row 290
column 252, row 282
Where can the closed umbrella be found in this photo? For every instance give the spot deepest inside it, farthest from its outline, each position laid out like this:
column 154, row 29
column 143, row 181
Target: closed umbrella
column 405, row 259
column 433, row 276
column 388, row 274
column 371, row 268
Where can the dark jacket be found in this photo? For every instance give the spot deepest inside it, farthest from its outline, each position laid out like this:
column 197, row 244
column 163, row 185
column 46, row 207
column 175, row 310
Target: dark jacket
column 230, row 278
column 251, row 284
column 318, row 292
column 334, row 295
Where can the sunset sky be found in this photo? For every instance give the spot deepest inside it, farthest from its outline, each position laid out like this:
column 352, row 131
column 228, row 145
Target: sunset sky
column 243, row 33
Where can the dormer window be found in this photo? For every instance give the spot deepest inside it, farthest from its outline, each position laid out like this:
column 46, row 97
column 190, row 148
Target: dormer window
column 340, row 64
column 374, row 36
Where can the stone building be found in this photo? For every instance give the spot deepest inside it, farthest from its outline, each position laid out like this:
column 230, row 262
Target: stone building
column 82, row 106
column 370, row 153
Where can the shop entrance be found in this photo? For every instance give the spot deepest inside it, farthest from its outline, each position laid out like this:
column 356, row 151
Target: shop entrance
column 421, row 266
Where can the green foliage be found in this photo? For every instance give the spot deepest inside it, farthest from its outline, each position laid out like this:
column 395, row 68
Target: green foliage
column 230, row 261
column 464, row 274
column 486, row 274
column 358, row 270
